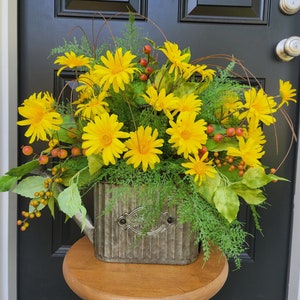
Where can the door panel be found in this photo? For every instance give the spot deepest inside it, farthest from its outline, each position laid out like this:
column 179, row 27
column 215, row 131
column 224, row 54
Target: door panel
column 225, row 11
column 249, row 30
column 81, row 8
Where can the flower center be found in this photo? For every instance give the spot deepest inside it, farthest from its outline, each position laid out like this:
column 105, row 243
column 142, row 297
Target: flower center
column 38, row 117
column 199, row 168
column 185, row 134
column 117, row 68
column 144, row 148
column 106, row 140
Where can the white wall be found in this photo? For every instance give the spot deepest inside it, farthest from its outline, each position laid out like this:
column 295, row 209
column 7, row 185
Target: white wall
column 8, row 158
column 294, row 282
column 8, row 145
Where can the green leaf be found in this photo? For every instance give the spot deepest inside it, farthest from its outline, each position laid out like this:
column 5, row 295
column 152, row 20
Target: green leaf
column 251, row 196
column 63, row 133
column 7, row 182
column 209, row 187
column 231, row 176
column 51, row 203
column 256, row 177
column 56, row 189
column 24, row 169
column 95, row 162
column 186, row 88
column 69, row 200
column 28, row 186
column 222, row 146
column 187, row 51
column 73, row 166
column 76, row 163
column 227, row 203
column 83, row 213
column 32, row 209
column 163, row 79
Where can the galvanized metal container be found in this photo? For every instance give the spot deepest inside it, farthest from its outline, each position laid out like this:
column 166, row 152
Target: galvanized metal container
column 117, row 236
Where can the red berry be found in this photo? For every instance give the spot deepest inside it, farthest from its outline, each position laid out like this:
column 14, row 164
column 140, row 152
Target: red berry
column 27, row 150
column 147, row 49
column 218, row 137
column 239, row 131
column 241, row 173
column 148, row 70
column 143, row 77
column 210, row 129
column 202, row 151
column 230, row 131
column 75, row 151
column 62, row 153
column 143, row 62
column 43, row 159
column 54, row 152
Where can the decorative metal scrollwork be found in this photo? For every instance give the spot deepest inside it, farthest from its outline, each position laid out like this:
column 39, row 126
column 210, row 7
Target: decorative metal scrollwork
column 133, row 221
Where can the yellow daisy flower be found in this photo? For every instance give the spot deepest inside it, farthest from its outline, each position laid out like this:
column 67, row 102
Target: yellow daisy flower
column 87, row 86
column 249, row 150
column 160, row 101
column 259, row 107
column 178, row 60
column 142, row 147
column 117, row 71
column 187, row 135
column 87, row 80
column 51, row 144
column 205, row 73
column 231, row 107
column 286, row 93
column 256, row 133
column 95, row 106
column 41, row 117
column 188, row 103
column 201, row 69
column 102, row 136
column 200, row 168
column 71, row 60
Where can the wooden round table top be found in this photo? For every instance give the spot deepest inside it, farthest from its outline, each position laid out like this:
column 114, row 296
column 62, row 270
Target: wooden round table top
column 93, row 279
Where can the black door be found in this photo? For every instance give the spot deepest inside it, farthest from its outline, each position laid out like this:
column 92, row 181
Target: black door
column 249, row 30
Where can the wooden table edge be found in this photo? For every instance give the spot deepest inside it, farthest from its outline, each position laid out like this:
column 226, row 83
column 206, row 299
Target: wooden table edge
column 202, row 293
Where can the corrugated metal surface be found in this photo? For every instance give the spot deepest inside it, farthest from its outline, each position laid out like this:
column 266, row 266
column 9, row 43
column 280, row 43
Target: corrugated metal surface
column 117, row 235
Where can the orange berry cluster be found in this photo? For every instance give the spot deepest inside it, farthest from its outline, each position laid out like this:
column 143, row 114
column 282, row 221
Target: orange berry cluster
column 41, row 198
column 233, row 163
column 144, row 63
column 57, row 152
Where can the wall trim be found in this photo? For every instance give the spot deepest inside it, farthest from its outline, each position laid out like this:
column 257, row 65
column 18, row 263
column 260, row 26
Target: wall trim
column 8, row 149
column 294, row 274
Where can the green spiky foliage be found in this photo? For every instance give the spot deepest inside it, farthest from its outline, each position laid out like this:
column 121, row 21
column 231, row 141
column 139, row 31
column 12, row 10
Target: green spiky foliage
column 130, row 38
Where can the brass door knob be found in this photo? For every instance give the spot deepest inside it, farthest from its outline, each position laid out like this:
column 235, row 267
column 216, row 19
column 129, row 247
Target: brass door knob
column 288, row 48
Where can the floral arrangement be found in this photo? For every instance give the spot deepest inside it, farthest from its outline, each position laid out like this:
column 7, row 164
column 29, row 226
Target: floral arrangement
column 178, row 130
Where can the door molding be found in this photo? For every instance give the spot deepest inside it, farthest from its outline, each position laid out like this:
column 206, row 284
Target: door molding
column 8, row 149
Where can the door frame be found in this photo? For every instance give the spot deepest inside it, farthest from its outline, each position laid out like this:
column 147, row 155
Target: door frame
column 8, row 154
column 8, row 149
column 294, row 273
